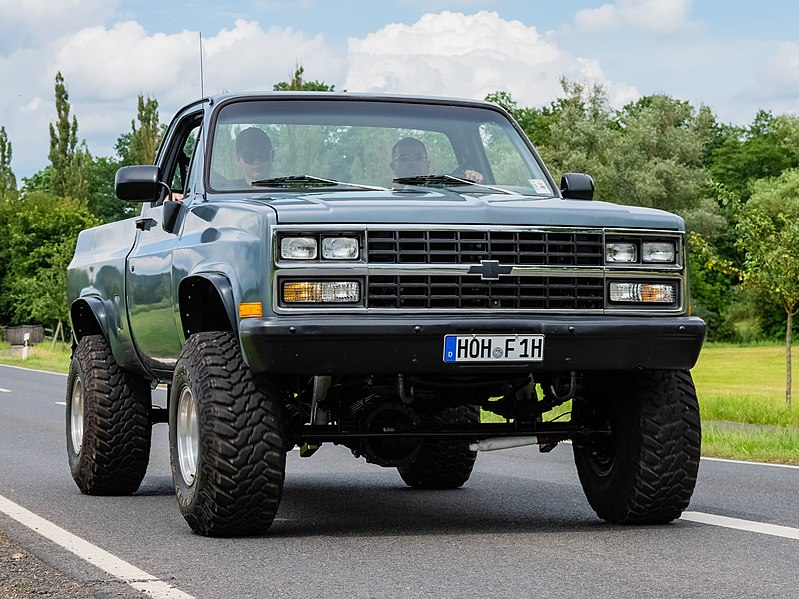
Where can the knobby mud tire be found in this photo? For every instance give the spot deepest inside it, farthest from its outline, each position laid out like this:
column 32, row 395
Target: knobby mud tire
column 443, row 464
column 112, row 457
column 645, row 473
column 242, row 440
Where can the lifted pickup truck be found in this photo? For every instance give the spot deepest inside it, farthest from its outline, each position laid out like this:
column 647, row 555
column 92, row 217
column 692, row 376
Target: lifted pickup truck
column 376, row 272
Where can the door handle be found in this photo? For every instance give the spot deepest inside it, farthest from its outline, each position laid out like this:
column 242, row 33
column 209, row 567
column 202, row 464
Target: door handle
column 145, row 224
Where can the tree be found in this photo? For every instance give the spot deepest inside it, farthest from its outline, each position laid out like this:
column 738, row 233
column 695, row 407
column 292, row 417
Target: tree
column 577, row 133
column 103, row 202
column 767, row 229
column 70, row 161
column 8, row 182
column 537, row 123
column 144, row 141
column 298, row 84
column 39, row 237
column 769, row 146
column 137, row 146
column 658, row 159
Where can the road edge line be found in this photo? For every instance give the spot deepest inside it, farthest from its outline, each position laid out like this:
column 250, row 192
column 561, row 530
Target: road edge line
column 775, row 530
column 34, row 369
column 97, row 557
column 791, row 466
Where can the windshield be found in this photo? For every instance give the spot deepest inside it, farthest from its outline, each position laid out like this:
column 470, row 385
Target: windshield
column 359, row 144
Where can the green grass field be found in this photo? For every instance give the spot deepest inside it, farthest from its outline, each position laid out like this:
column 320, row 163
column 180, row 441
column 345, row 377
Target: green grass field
column 735, row 384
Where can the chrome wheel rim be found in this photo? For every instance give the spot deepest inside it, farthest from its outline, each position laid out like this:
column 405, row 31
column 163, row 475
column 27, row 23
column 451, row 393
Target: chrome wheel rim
column 188, row 436
column 76, row 415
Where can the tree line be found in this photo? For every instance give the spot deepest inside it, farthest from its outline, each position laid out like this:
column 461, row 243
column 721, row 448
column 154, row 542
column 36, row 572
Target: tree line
column 737, row 187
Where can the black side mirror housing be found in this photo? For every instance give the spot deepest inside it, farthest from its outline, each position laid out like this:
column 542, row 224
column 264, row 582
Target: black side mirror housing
column 577, row 186
column 138, row 183
column 170, row 215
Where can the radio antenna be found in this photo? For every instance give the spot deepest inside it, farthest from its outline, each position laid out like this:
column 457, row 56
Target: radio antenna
column 202, row 83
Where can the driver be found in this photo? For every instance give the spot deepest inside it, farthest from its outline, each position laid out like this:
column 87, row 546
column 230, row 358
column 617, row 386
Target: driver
column 409, row 159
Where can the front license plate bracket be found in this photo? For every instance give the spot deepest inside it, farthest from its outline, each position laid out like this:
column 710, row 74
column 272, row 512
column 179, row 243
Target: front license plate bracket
column 472, row 348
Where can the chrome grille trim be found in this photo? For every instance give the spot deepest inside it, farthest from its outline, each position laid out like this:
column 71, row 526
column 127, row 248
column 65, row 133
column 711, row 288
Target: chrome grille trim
column 470, row 246
column 470, row 293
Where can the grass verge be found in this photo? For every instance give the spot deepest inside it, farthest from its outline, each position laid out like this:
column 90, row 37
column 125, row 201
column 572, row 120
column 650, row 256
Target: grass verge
column 40, row 357
column 773, row 444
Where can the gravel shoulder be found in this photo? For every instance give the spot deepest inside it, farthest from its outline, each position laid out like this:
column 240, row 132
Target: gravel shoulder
column 23, row 575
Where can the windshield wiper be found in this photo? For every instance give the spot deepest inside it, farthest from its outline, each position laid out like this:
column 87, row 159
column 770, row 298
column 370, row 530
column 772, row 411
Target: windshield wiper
column 309, row 181
column 445, row 181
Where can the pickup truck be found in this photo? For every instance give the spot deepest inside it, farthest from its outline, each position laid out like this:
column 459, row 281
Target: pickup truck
column 398, row 275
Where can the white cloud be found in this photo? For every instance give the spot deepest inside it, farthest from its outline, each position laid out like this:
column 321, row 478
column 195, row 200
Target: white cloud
column 468, row 55
column 659, row 17
column 245, row 57
column 24, row 23
column 781, row 75
column 105, row 68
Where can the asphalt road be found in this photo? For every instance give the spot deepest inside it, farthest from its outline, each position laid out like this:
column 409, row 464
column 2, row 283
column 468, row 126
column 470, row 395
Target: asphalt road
column 520, row 527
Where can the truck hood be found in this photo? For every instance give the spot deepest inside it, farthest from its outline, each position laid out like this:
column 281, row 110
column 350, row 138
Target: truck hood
column 440, row 206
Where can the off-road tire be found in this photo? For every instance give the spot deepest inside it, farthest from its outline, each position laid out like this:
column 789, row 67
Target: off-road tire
column 443, row 464
column 241, row 459
column 645, row 472
column 112, row 456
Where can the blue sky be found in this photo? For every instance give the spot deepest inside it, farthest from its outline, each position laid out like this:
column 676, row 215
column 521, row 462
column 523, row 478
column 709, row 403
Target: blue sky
column 735, row 57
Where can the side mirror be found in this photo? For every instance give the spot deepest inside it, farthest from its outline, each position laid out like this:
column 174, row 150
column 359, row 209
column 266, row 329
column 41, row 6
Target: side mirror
column 577, row 186
column 170, row 215
column 138, row 183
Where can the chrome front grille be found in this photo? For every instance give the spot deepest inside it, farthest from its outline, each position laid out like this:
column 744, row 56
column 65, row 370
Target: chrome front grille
column 471, row 292
column 464, row 269
column 535, row 248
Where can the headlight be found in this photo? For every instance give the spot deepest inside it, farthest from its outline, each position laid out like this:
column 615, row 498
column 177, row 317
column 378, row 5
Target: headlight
column 620, row 251
column 646, row 293
column 298, row 248
column 339, row 248
column 312, row 292
column 658, row 251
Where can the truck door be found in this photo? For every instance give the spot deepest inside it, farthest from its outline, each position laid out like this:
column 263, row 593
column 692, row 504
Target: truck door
column 151, row 290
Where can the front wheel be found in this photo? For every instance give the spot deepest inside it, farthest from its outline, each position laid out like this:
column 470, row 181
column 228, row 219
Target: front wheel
column 643, row 469
column 108, row 421
column 227, row 440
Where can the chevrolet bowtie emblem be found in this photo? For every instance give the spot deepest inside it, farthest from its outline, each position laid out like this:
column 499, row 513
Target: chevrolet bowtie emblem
column 490, row 270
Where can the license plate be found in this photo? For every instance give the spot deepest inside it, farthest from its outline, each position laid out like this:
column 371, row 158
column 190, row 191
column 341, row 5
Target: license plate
column 493, row 348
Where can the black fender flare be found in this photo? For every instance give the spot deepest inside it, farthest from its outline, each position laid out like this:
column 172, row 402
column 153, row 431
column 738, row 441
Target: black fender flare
column 89, row 317
column 206, row 304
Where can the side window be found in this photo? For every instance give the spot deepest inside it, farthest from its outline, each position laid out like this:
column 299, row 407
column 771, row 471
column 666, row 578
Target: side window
column 180, row 174
column 194, row 163
column 181, row 145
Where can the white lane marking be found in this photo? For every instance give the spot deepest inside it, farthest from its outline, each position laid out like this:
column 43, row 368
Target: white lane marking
column 752, row 463
column 5, row 390
column 786, row 532
column 32, row 369
column 116, row 567
column 60, row 403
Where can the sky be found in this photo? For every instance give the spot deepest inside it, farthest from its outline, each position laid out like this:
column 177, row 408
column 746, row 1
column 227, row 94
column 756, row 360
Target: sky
column 734, row 56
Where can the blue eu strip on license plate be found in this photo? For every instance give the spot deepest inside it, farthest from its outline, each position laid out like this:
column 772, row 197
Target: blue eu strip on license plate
column 493, row 348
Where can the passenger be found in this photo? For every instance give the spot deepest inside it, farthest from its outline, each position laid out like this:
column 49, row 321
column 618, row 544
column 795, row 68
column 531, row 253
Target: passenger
column 254, row 156
column 409, row 159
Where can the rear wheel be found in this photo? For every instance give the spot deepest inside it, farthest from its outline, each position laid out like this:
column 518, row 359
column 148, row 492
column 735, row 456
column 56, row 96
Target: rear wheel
column 107, row 421
column 227, row 440
column 443, row 464
column 644, row 471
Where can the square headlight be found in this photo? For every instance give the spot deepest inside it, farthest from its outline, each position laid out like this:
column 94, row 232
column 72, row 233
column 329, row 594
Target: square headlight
column 658, row 251
column 339, row 248
column 620, row 251
column 298, row 248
